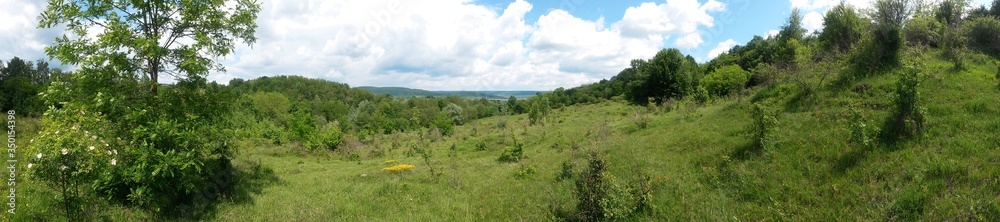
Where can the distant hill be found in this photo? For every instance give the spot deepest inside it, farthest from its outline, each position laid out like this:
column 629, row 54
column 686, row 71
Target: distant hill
column 408, row 92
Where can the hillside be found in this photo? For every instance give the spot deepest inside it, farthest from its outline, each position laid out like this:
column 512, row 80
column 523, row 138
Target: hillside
column 404, row 92
column 699, row 163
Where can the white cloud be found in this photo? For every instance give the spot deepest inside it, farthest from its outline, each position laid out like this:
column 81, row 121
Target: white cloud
column 812, row 21
column 722, row 47
column 18, row 34
column 415, row 44
column 675, row 17
column 771, row 33
column 809, row 5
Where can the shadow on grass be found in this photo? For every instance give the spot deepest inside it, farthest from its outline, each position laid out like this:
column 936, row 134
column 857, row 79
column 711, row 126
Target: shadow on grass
column 747, row 151
column 232, row 184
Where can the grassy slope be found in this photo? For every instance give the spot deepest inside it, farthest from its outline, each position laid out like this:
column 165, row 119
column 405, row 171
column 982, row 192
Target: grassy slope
column 695, row 154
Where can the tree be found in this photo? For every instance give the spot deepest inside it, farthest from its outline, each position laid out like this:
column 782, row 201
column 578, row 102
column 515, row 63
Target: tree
column 177, row 156
column 882, row 50
column 669, row 75
column 842, row 27
column 792, row 28
column 151, row 37
column 725, row 80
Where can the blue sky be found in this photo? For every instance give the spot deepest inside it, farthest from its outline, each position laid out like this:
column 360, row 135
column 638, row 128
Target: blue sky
column 465, row 44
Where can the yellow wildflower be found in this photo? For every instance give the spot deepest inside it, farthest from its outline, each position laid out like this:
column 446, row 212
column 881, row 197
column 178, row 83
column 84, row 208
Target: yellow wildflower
column 398, row 168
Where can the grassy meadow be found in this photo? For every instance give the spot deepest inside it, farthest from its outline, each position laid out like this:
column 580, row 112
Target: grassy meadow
column 700, row 162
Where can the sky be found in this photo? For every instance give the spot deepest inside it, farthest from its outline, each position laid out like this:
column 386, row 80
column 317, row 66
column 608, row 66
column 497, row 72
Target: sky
column 465, row 44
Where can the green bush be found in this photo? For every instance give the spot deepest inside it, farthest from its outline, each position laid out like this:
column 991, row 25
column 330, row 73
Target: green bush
column 923, row 30
column 760, row 130
column 331, row 135
column 726, row 80
column 982, row 34
column 908, row 117
column 600, row 196
column 512, row 154
column 71, row 153
column 861, row 134
column 842, row 27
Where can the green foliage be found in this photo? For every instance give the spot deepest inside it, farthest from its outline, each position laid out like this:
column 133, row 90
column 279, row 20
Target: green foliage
column 923, row 30
column 566, row 172
column 539, row 108
column 762, row 126
column 861, row 134
column 512, row 154
column 881, row 50
column 73, row 156
column 982, row 34
column 910, row 205
column 792, row 28
column 726, row 80
column 600, row 196
column 842, row 27
column 481, row 145
column 909, row 115
column 525, row 171
column 668, row 75
column 331, row 136
column 21, row 82
column 445, row 125
column 701, row 94
column 454, row 112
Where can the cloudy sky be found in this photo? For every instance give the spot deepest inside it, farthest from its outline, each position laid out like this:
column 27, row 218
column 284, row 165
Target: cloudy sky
column 466, row 44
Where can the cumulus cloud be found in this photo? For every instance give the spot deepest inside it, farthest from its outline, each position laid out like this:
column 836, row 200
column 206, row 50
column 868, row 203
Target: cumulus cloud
column 675, row 17
column 722, row 47
column 18, row 34
column 812, row 21
column 414, row 44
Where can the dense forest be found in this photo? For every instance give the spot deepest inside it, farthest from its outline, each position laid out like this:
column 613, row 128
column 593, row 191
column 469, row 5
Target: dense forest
column 173, row 151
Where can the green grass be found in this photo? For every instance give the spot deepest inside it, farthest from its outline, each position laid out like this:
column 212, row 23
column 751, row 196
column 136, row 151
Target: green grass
column 697, row 156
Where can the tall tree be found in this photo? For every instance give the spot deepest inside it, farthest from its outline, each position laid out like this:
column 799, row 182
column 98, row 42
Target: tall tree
column 792, row 28
column 151, row 37
column 842, row 27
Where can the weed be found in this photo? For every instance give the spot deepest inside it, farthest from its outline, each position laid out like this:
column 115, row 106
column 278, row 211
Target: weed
column 512, row 154
column 762, row 126
column 566, row 172
column 525, row 171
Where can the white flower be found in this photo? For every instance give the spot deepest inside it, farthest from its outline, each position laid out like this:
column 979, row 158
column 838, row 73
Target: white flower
column 86, row 133
column 31, row 141
column 116, row 152
column 64, row 151
column 39, row 155
column 93, row 137
column 91, row 148
column 105, row 144
column 57, row 131
column 74, row 128
column 29, row 165
column 63, row 168
column 109, row 152
column 114, row 162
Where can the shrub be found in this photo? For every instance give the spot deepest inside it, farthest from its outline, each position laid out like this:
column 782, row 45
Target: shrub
column 726, row 80
column 641, row 119
column 566, row 172
column 909, row 115
column 525, row 171
column 600, row 196
column 842, row 27
column 701, row 95
column 923, row 30
column 762, row 126
column 481, row 145
column 512, row 154
column 861, row 134
column 982, row 33
column 71, row 155
column 331, row 136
